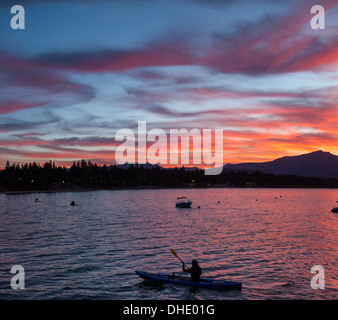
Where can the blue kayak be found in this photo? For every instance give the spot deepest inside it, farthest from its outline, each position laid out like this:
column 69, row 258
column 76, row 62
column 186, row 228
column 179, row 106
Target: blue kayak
column 209, row 283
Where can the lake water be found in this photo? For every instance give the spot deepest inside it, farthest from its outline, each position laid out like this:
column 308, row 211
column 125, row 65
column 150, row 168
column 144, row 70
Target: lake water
column 266, row 238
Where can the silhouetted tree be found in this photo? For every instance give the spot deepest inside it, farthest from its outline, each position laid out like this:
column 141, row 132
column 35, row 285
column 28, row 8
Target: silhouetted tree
column 85, row 174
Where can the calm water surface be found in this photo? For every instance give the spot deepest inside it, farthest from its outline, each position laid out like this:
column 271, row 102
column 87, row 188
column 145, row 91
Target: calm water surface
column 267, row 238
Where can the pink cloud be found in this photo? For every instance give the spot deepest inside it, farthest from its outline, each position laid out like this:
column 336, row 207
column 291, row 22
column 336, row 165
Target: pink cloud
column 9, row 106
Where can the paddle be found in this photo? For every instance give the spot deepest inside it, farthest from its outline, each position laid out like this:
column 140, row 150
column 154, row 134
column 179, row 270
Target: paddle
column 175, row 254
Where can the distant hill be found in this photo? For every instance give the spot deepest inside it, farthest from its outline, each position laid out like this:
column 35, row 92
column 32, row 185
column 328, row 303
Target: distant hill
column 126, row 165
column 315, row 164
column 144, row 165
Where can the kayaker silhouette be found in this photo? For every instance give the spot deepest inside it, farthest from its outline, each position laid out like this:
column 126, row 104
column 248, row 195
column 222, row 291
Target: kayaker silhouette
column 195, row 270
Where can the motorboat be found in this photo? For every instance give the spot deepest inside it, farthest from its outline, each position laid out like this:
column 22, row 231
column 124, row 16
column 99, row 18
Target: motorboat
column 183, row 202
column 335, row 210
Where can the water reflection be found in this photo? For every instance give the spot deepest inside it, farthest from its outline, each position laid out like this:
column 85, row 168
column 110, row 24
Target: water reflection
column 266, row 238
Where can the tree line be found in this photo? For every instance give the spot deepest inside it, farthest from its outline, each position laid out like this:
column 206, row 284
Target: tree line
column 86, row 175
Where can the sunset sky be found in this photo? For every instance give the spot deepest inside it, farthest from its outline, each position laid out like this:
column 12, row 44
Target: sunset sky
column 81, row 70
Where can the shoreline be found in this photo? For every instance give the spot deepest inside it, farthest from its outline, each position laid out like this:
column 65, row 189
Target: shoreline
column 91, row 190
column 13, row 192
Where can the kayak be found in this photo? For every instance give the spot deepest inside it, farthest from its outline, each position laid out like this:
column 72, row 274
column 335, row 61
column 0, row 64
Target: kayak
column 209, row 283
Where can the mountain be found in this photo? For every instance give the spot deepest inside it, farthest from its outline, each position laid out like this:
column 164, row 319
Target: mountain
column 315, row 164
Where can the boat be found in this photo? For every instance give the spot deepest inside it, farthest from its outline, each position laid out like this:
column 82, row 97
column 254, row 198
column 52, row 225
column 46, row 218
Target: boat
column 183, row 203
column 209, row 283
column 335, row 210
